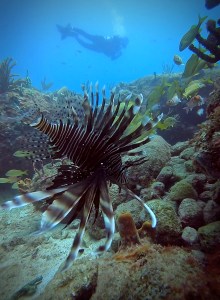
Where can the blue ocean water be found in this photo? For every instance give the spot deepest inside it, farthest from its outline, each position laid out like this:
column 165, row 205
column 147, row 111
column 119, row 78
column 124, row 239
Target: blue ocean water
column 29, row 35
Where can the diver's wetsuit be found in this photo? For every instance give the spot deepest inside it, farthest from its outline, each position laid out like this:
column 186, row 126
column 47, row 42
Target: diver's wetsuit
column 110, row 46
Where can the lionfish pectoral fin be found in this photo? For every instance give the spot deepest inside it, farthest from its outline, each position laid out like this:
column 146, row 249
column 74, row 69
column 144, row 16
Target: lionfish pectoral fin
column 62, row 206
column 110, row 229
column 107, row 210
column 76, row 246
column 151, row 213
column 22, row 200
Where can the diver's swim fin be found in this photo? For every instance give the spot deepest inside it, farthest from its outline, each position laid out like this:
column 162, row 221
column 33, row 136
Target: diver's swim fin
column 65, row 31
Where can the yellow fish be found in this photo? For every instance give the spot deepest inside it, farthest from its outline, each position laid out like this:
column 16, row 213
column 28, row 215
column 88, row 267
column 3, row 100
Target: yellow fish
column 189, row 37
column 21, row 153
column 193, row 66
column 15, row 173
column 193, row 88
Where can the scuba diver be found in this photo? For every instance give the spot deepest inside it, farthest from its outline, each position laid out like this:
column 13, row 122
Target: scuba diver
column 110, row 46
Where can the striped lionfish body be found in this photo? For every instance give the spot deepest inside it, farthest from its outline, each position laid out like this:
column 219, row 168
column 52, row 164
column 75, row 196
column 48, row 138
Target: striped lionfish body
column 94, row 146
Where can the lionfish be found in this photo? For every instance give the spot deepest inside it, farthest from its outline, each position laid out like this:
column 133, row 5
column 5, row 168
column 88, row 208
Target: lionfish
column 94, row 146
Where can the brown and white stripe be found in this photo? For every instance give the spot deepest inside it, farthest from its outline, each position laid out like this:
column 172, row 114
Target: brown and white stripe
column 94, row 145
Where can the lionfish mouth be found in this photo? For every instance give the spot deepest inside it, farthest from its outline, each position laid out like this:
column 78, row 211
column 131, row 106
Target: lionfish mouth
column 94, row 146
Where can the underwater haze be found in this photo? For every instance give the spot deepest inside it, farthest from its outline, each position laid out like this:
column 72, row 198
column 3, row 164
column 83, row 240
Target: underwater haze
column 28, row 33
column 110, row 149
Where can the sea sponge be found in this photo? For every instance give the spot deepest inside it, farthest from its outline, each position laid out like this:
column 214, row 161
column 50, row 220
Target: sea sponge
column 147, row 230
column 24, row 186
column 127, row 230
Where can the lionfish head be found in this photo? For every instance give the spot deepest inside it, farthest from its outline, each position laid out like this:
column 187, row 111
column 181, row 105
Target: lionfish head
column 94, row 146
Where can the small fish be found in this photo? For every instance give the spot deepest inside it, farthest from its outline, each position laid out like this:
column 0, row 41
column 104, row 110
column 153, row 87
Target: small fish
column 178, row 60
column 21, row 153
column 155, row 107
column 193, row 88
column 15, row 173
column 193, row 66
column 194, row 102
column 5, row 180
column 168, row 122
column 8, row 180
column 12, row 179
column 15, row 186
column 200, row 111
column 173, row 101
column 188, row 37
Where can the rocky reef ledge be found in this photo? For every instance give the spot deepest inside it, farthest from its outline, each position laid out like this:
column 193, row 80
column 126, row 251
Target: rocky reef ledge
column 177, row 260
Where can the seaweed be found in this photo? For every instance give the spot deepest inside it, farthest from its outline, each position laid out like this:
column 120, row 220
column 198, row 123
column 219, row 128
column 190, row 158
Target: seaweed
column 46, row 86
column 6, row 77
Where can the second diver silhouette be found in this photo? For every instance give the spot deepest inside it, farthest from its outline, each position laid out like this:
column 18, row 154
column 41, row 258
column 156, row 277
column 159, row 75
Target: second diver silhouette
column 110, row 46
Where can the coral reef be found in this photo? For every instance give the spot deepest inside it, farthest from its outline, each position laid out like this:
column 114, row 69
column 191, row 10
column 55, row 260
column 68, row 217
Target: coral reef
column 207, row 140
column 147, row 272
column 24, row 185
column 177, row 260
column 212, row 43
column 16, row 108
